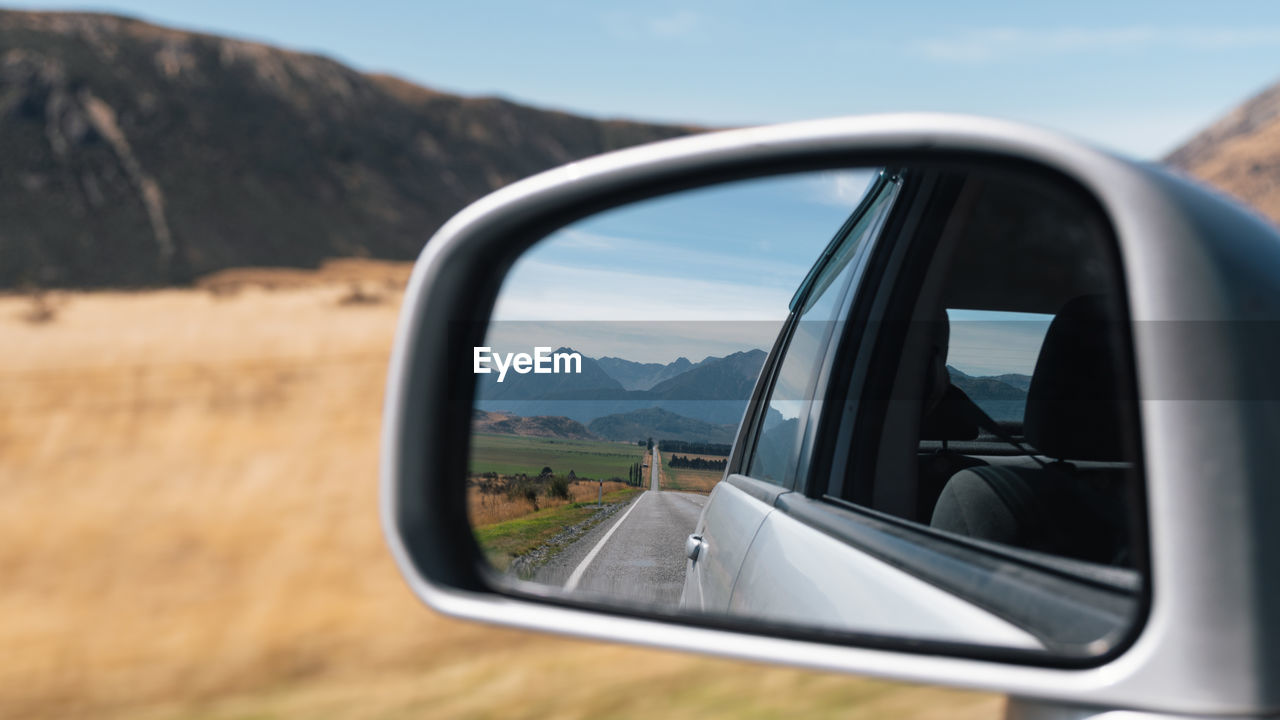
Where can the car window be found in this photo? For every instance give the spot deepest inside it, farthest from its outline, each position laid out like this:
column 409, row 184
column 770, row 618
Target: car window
column 991, row 357
column 776, row 457
column 1004, row 413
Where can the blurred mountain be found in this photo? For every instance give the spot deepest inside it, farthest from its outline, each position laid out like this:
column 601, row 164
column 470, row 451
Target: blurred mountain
column 137, row 155
column 1017, row 380
column 1240, row 153
column 1010, row 386
column 1003, row 397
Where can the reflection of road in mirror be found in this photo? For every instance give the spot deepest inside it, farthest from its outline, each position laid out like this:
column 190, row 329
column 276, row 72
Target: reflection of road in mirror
column 638, row 558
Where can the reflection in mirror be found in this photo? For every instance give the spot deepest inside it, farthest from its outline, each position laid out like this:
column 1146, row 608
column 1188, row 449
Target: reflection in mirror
column 887, row 402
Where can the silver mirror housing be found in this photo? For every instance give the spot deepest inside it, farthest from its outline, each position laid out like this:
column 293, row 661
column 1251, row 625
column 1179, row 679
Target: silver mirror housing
column 1205, row 646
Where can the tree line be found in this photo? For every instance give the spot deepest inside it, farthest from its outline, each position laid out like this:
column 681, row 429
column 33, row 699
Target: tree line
column 697, row 463
column 635, row 475
column 696, row 448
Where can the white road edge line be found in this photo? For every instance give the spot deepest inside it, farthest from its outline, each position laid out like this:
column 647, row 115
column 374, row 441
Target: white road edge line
column 578, row 572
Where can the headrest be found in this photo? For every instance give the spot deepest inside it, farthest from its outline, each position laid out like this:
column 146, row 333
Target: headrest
column 937, row 379
column 1073, row 405
column 944, row 416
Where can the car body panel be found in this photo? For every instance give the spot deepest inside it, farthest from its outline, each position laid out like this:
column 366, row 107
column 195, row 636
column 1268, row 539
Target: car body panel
column 794, row 573
column 728, row 523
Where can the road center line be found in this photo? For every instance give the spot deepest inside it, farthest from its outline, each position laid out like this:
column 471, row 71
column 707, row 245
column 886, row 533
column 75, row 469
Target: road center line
column 576, row 577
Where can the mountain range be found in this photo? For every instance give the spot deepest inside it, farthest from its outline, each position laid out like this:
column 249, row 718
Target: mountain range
column 700, row 402
column 642, row 376
column 1002, row 397
column 136, row 155
column 715, row 390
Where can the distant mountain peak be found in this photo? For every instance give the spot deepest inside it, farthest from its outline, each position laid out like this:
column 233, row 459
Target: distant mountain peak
column 643, row 376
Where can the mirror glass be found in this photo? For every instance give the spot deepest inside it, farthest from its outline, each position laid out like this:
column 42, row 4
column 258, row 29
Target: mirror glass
column 867, row 401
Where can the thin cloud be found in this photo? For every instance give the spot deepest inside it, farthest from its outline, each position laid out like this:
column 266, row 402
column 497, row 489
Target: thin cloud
column 583, row 240
column 845, row 189
column 678, row 24
column 548, row 291
column 978, row 45
column 682, row 261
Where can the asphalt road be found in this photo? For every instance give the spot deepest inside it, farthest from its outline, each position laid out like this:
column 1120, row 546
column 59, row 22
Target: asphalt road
column 637, row 555
column 655, row 460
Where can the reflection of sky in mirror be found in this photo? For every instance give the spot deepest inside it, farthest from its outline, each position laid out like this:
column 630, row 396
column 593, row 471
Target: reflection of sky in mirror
column 709, row 272
column 661, row 341
column 727, row 253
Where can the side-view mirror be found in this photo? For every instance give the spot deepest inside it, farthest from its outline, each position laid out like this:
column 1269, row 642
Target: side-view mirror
column 865, row 394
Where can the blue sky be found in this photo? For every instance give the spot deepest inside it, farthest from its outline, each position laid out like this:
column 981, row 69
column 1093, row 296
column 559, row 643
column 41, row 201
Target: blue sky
column 1138, row 77
column 703, row 272
column 709, row 272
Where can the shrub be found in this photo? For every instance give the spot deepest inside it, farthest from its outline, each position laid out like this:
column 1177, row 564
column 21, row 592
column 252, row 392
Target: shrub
column 558, row 487
column 521, row 488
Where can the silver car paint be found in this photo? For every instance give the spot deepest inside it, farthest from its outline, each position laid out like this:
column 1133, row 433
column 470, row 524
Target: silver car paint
column 1211, row 642
column 729, row 521
column 795, row 574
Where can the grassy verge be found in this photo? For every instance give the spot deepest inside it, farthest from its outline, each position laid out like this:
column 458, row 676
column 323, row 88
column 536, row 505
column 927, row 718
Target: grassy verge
column 503, row 542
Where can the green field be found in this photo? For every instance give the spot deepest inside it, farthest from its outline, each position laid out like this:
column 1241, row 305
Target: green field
column 512, row 454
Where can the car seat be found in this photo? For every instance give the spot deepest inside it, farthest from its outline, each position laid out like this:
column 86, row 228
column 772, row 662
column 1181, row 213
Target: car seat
column 1074, row 506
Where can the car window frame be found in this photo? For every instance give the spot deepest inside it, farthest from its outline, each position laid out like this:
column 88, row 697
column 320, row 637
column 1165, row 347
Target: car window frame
column 888, row 182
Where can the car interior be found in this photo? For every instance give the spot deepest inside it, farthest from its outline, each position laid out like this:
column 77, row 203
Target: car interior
column 1060, row 481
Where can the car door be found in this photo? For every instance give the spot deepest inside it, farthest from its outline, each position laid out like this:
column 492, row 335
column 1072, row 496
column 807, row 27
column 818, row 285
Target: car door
column 773, row 436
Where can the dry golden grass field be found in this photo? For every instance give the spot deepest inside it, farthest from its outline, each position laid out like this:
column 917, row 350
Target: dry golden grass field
column 189, row 530
column 489, row 509
column 699, row 481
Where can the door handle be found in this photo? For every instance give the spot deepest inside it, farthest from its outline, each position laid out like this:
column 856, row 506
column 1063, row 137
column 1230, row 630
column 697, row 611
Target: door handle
column 693, row 546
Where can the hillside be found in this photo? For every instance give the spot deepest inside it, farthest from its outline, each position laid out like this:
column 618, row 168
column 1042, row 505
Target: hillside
column 732, row 377
column 136, row 155
column 539, row 426
column 1240, row 153
column 1003, row 397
